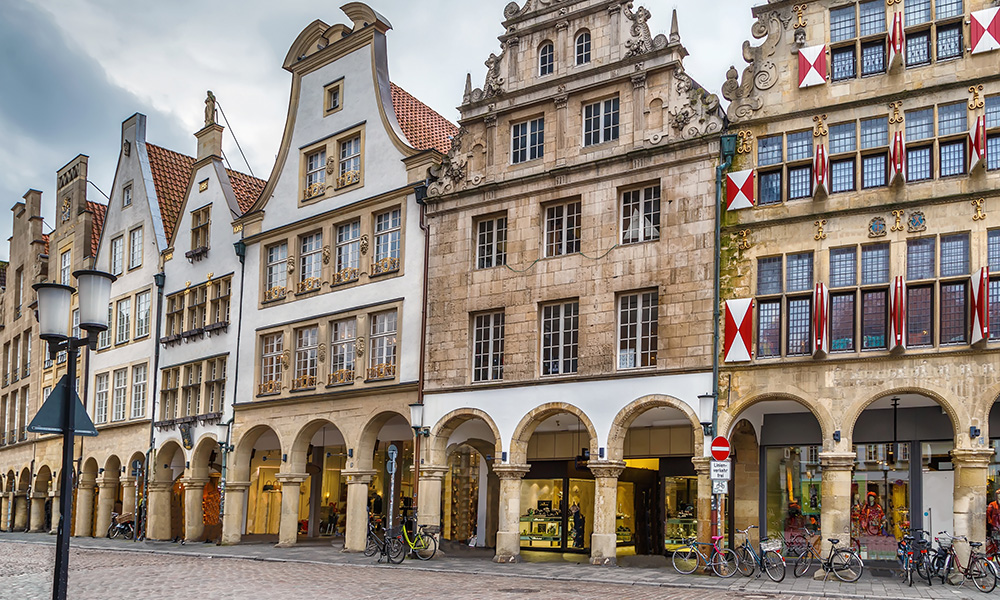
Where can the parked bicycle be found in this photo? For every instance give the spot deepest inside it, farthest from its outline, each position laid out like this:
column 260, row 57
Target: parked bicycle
column 121, row 525
column 800, row 538
column 388, row 545
column 768, row 560
column 722, row 561
column 914, row 557
column 945, row 564
column 844, row 563
column 420, row 544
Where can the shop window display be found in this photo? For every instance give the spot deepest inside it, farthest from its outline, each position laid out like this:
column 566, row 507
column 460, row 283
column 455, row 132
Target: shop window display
column 460, row 500
column 993, row 500
column 558, row 514
column 794, row 491
column 880, row 499
column 681, row 500
column 625, row 514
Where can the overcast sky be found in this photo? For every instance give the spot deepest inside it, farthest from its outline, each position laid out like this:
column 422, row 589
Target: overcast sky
column 72, row 70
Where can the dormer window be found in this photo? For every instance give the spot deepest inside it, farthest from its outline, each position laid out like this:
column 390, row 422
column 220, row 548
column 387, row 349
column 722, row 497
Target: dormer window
column 546, row 59
column 583, row 48
column 127, row 195
column 200, row 220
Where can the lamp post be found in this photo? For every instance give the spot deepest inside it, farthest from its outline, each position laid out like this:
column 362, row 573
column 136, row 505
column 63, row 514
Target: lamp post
column 417, row 423
column 54, row 316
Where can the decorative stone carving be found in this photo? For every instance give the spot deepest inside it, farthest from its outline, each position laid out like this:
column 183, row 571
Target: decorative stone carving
column 820, row 234
column 978, row 205
column 290, row 263
column 876, row 227
column 917, row 222
column 642, row 41
column 761, row 73
column 898, row 225
column 976, row 101
column 695, row 112
column 210, row 109
column 494, row 82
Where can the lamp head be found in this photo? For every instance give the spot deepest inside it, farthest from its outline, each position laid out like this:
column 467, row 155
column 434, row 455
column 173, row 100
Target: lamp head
column 54, row 302
column 94, row 289
column 417, row 415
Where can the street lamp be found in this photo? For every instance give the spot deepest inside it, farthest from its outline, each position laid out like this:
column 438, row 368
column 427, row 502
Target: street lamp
column 417, row 423
column 54, row 316
column 706, row 405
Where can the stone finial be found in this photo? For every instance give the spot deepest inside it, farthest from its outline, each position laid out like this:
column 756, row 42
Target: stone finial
column 675, row 34
column 467, row 95
column 210, row 109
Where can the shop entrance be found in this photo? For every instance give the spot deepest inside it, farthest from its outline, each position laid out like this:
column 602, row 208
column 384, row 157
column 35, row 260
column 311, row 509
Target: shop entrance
column 323, row 495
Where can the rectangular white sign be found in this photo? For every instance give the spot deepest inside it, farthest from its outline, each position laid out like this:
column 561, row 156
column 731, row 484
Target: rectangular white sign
column 720, row 487
column 720, row 470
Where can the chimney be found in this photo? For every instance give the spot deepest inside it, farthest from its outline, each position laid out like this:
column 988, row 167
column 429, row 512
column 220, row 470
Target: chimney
column 33, row 203
column 210, row 137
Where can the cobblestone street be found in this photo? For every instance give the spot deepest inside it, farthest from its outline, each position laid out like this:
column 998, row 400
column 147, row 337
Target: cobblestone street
column 112, row 569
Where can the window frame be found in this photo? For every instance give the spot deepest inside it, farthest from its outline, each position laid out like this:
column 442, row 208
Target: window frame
column 488, row 351
column 201, row 227
column 559, row 327
column 527, row 140
column 644, row 344
column 491, row 242
column 583, row 46
column 560, row 226
column 135, row 248
column 605, row 121
column 647, row 197
column 546, row 58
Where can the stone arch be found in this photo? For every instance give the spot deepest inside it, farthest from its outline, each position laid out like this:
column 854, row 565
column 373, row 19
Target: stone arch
column 113, row 466
column 240, row 467
column 90, row 467
column 958, row 417
column 983, row 408
column 728, row 417
column 162, row 471
column 369, row 433
column 530, row 421
column 441, row 432
column 202, row 454
column 9, row 481
column 625, row 417
column 24, row 480
column 300, row 445
column 43, row 480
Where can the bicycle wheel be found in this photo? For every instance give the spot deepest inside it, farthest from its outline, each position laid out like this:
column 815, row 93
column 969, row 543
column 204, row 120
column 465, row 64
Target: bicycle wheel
column 395, row 549
column 129, row 532
column 856, row 545
column 424, row 546
column 371, row 546
column 113, row 531
column 774, row 566
column 745, row 561
column 924, row 568
column 725, row 563
column 797, row 544
column 803, row 563
column 846, row 565
column 983, row 574
column 685, row 560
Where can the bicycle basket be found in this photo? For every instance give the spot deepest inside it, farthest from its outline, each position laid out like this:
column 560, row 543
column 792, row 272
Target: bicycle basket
column 392, row 532
column 945, row 542
column 767, row 545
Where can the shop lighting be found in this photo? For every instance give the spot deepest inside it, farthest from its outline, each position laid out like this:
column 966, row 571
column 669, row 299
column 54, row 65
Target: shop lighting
column 974, row 432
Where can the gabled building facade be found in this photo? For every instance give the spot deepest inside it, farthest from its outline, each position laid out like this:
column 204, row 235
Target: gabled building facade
column 570, row 290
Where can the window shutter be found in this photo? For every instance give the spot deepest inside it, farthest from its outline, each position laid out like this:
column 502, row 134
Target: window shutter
column 739, row 330
column 981, row 305
column 812, row 66
column 977, row 144
column 897, row 314
column 897, row 159
column 821, row 320
column 821, row 171
column 984, row 29
column 896, row 42
column 740, row 190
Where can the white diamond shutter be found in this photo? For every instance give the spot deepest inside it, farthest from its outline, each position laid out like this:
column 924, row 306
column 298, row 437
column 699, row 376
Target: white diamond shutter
column 821, row 320
column 812, row 66
column 739, row 331
column 740, row 190
column 977, row 144
column 981, row 305
column 984, row 30
column 897, row 314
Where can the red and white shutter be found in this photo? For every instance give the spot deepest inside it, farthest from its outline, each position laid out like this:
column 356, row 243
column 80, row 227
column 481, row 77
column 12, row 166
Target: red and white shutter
column 821, row 171
column 977, row 144
column 739, row 189
column 897, row 314
column 739, row 330
column 821, row 320
column 897, row 158
column 897, row 41
column 981, row 305
column 984, row 30
column 812, row 66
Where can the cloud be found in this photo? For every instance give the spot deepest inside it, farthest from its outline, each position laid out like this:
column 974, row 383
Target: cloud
column 71, row 72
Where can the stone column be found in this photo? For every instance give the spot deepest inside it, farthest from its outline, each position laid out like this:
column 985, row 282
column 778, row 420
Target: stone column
column 971, row 470
column 233, row 516
column 85, row 506
column 36, row 523
column 158, row 510
column 4, row 508
column 128, row 495
column 702, row 466
column 509, row 534
column 105, row 505
column 288, row 525
column 562, row 126
column 604, row 539
column 356, row 527
column 20, row 511
column 835, row 514
column 56, row 512
column 429, row 497
column 194, row 517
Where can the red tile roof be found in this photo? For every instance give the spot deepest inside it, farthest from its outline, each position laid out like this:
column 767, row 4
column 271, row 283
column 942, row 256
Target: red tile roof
column 99, row 211
column 45, row 238
column 171, row 174
column 423, row 127
column 3, row 274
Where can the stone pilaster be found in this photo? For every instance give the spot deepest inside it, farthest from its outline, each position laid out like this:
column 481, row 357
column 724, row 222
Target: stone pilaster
column 194, row 517
column 56, row 512
column 288, row 526
column 971, row 470
column 85, row 506
column 702, row 467
column 36, row 522
column 509, row 534
column 233, row 518
column 429, row 497
column 4, row 510
column 107, row 489
column 356, row 527
column 128, row 495
column 835, row 514
column 158, row 507
column 20, row 511
column 604, row 539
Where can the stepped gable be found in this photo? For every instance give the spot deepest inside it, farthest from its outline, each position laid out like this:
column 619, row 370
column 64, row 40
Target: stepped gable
column 424, row 128
column 99, row 211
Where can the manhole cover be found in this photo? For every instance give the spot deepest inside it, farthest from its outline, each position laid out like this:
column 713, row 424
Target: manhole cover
column 518, row 591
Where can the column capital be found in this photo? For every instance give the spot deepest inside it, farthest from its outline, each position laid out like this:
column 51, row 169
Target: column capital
column 106, row 482
column 291, row 478
column 236, row 486
column 194, row 482
column 511, row 471
column 837, row 461
column 606, row 468
column 433, row 471
column 38, row 496
column 359, row 475
column 160, row 486
column 972, row 457
column 127, row 481
column 702, row 464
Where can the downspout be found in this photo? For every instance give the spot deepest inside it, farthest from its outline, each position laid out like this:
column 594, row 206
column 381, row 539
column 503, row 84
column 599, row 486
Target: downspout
column 241, row 253
column 154, row 377
column 420, row 193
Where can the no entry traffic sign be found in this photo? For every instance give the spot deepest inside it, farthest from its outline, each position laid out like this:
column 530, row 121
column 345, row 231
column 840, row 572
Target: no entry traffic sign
column 720, row 448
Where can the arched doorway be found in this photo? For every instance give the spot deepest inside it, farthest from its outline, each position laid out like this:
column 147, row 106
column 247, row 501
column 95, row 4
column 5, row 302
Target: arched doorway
column 388, row 494
column 320, row 451
column 41, row 517
column 259, row 457
column 166, row 494
column 109, row 495
column 86, row 499
column 134, row 489
column 202, row 497
column 21, row 511
column 7, row 502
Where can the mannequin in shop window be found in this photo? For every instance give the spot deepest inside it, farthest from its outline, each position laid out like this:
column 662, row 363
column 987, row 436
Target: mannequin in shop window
column 993, row 517
column 578, row 525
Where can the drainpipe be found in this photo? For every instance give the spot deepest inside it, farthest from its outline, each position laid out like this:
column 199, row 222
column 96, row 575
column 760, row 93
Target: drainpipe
column 420, row 193
column 241, row 253
column 727, row 149
column 160, row 279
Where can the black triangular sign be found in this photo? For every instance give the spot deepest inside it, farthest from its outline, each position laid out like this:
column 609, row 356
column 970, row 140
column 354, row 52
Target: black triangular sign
column 50, row 417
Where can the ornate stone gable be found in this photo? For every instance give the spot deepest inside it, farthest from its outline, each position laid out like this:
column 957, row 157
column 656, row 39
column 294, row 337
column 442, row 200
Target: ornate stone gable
column 761, row 73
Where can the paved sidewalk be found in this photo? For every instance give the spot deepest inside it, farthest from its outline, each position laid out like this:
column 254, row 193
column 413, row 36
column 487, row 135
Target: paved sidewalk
column 323, row 552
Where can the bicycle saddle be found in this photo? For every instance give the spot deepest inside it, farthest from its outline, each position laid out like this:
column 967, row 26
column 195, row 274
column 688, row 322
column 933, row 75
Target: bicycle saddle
column 717, row 537
column 833, row 541
column 908, row 538
column 975, row 544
